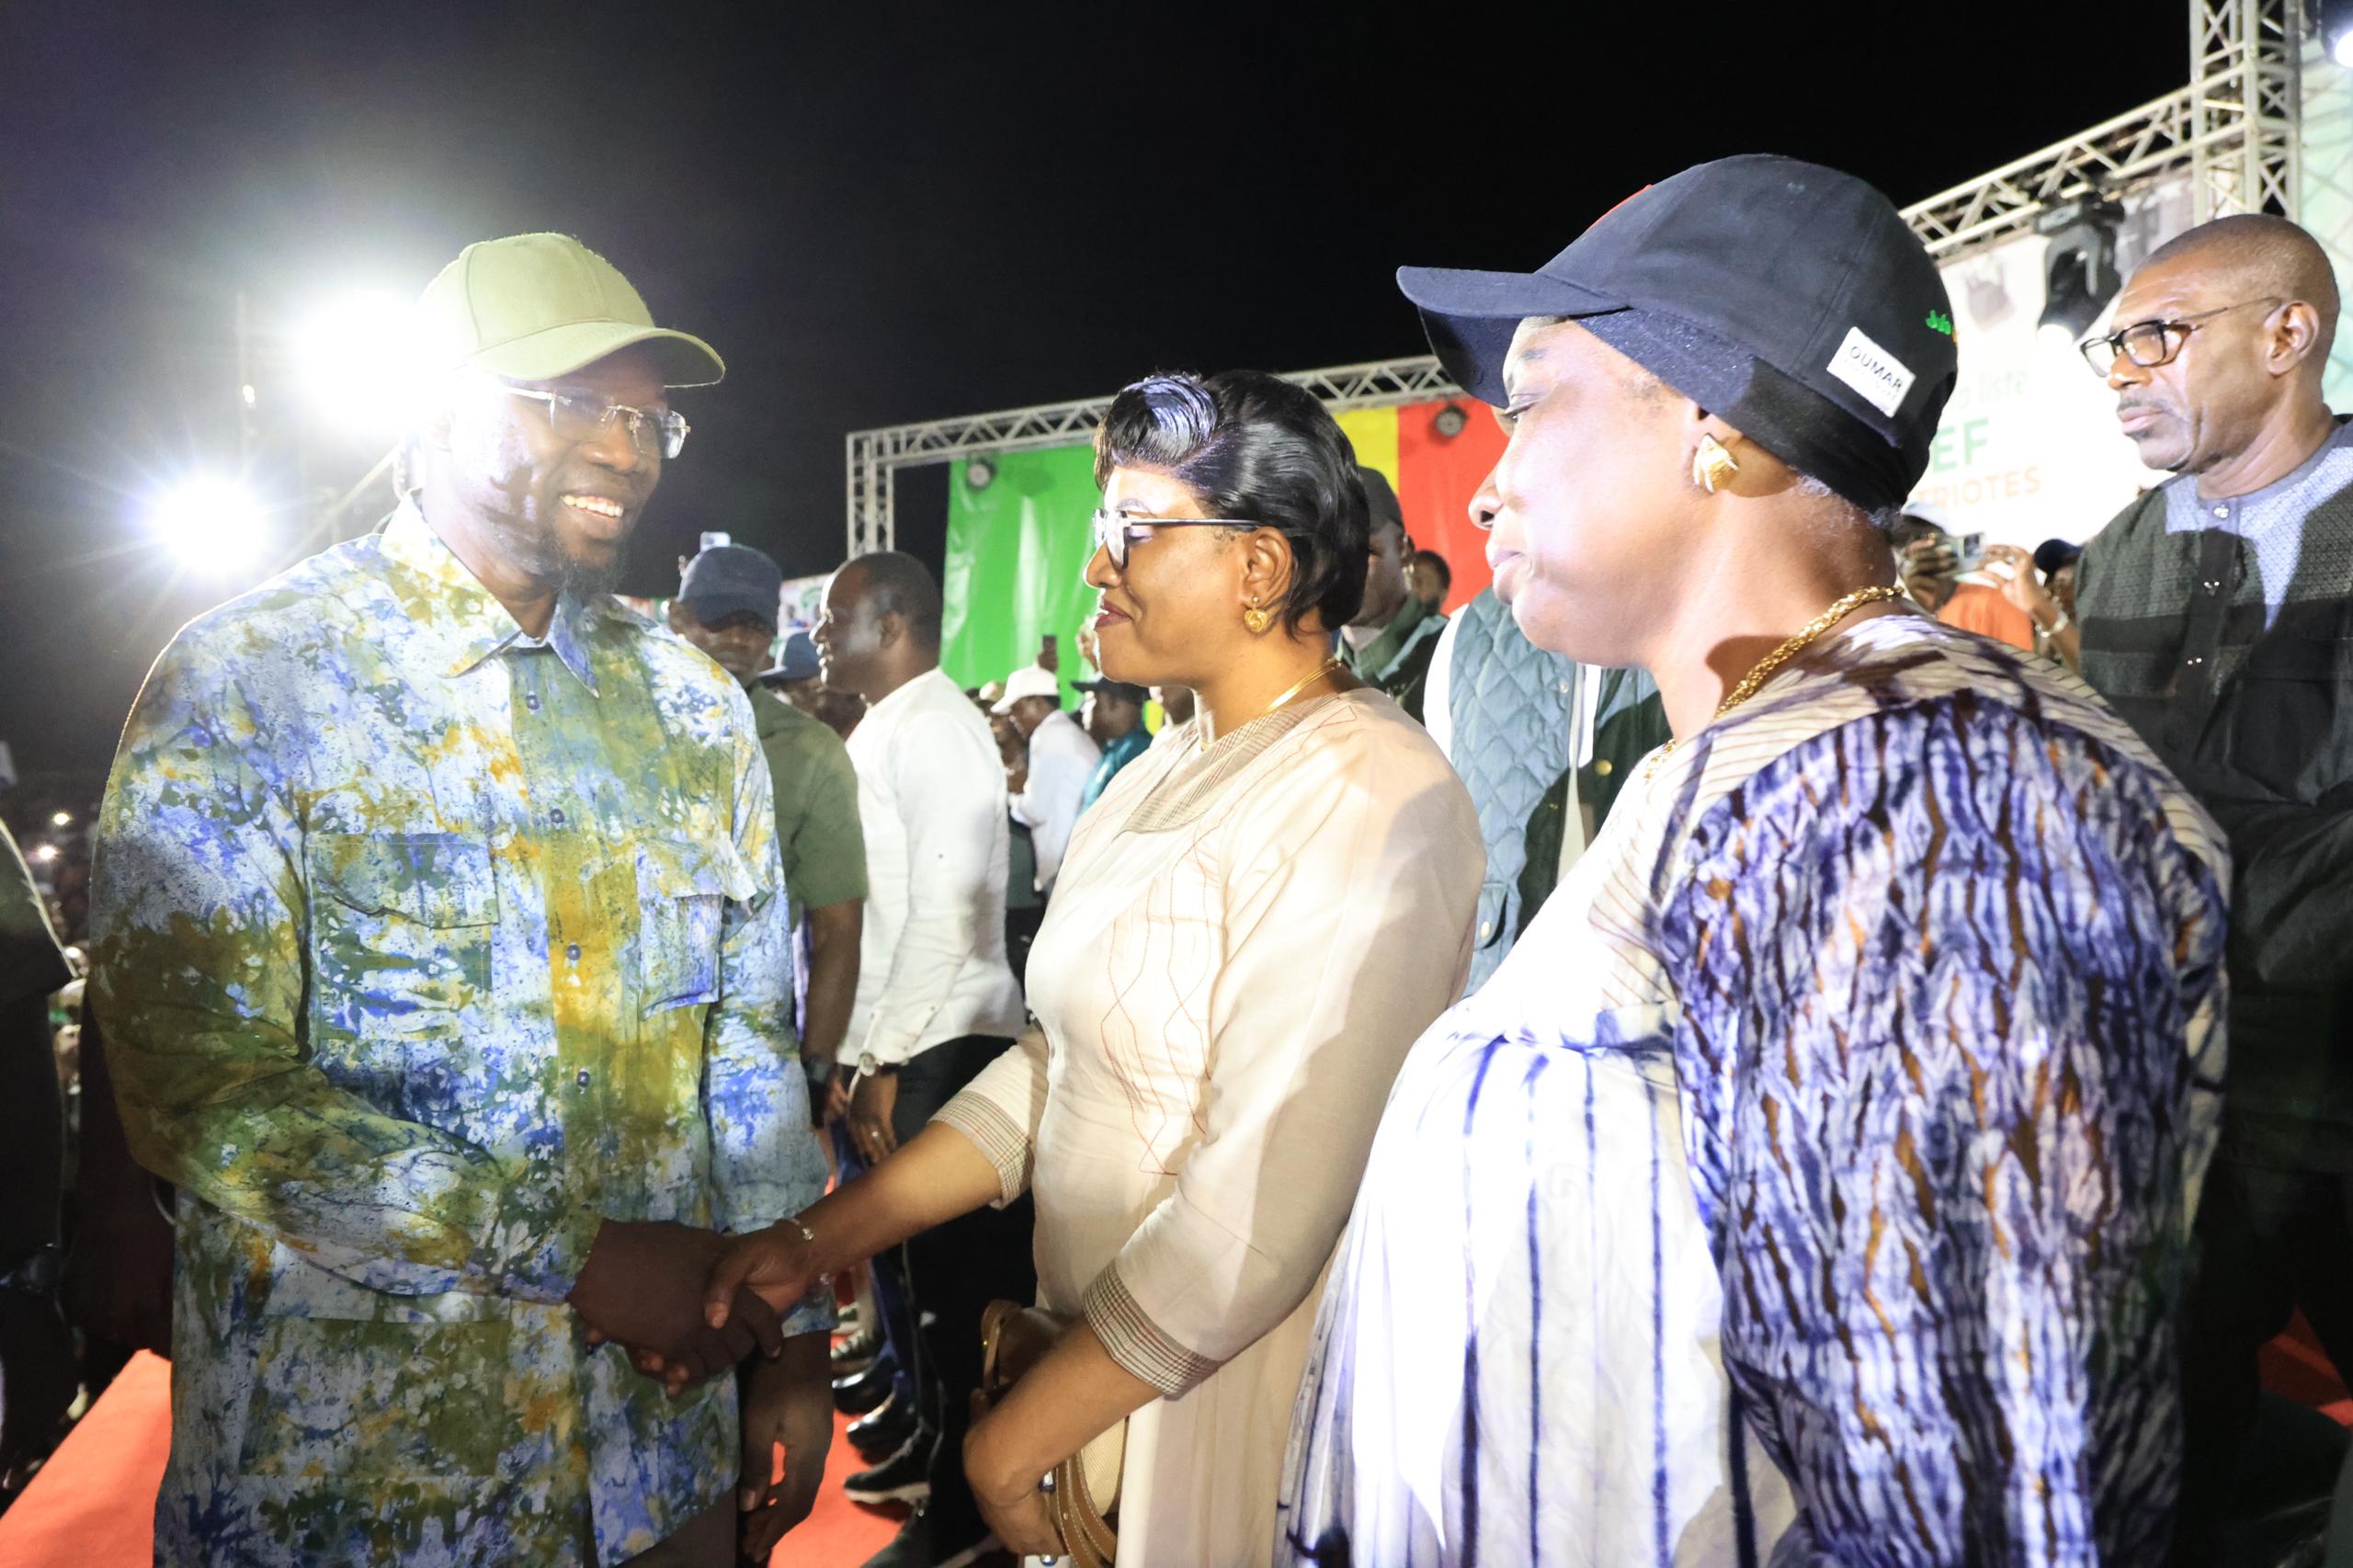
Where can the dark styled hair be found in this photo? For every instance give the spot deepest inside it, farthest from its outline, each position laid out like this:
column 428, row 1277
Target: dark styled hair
column 1253, row 446
column 897, row 583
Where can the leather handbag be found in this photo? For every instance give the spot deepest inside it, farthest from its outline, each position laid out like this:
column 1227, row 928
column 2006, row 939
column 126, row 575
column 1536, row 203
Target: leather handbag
column 1083, row 1492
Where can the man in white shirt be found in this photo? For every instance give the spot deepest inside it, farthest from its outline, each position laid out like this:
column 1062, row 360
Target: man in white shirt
column 1062, row 759
column 936, row 1000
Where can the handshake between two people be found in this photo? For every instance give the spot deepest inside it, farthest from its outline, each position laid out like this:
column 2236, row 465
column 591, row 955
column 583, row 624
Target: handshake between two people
column 688, row 1304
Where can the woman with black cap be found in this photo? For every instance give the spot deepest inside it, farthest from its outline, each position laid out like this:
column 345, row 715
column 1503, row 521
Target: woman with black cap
column 1813, row 1182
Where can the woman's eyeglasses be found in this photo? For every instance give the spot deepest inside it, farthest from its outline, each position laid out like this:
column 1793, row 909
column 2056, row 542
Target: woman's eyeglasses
column 1115, row 532
column 2150, row 344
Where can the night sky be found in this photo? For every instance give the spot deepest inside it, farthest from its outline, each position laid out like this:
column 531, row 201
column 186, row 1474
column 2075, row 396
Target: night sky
column 877, row 212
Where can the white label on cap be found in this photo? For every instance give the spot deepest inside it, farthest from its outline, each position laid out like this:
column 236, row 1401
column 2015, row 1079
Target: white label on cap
column 1880, row 376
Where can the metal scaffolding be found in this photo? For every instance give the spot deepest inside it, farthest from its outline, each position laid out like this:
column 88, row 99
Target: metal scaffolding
column 876, row 456
column 2234, row 127
column 2247, row 105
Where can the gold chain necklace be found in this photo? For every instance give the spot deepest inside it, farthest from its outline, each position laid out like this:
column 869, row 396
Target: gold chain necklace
column 1764, row 668
column 1318, row 673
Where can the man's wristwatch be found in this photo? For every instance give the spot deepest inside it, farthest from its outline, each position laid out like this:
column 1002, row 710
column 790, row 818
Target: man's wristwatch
column 869, row 1066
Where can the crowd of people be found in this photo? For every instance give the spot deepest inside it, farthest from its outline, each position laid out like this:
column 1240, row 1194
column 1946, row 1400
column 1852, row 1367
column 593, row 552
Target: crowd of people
column 1771, row 1034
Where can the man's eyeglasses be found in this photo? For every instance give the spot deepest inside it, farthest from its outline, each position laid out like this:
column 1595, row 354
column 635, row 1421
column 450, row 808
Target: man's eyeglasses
column 1114, row 531
column 2150, row 344
column 580, row 416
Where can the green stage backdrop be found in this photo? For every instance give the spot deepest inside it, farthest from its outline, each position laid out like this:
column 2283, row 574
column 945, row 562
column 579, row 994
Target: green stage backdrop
column 1016, row 552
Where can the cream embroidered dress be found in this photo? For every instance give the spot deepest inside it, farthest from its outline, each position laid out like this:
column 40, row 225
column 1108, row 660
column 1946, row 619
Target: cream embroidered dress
column 1243, row 943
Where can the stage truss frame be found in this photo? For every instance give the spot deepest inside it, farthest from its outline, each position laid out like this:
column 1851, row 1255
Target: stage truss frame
column 2235, row 126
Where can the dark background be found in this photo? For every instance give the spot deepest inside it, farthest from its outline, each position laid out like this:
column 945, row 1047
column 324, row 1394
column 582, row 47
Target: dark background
column 878, row 213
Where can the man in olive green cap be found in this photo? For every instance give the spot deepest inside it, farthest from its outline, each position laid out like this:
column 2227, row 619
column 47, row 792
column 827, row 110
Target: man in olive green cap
column 442, row 955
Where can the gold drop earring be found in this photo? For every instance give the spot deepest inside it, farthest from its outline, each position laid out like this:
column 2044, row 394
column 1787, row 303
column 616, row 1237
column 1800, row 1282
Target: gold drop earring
column 1711, row 466
column 1254, row 618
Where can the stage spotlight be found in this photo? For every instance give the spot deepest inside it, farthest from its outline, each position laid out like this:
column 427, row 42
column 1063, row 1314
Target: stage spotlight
column 60, row 819
column 1450, row 421
column 356, row 358
column 980, row 473
column 2333, row 20
column 210, row 523
column 2079, row 274
column 43, row 854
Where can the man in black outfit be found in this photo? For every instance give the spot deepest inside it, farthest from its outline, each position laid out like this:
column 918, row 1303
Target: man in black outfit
column 2216, row 612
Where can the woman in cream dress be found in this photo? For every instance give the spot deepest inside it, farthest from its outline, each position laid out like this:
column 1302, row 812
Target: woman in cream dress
column 1250, row 928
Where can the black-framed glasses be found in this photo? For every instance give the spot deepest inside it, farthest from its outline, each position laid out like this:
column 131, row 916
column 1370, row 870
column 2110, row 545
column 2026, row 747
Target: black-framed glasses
column 581, row 416
column 2150, row 344
column 1114, row 531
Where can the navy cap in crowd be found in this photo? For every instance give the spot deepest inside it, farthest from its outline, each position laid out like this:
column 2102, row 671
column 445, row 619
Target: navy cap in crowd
column 2056, row 555
column 796, row 663
column 1117, row 691
column 732, row 579
column 1790, row 299
column 1379, row 499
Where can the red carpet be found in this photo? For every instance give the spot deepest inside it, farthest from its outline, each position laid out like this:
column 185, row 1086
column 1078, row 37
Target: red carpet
column 92, row 1505
column 2294, row 1367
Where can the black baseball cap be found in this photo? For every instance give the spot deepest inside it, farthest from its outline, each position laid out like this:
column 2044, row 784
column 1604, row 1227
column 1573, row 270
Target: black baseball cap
column 1119, row 691
column 1381, row 501
column 1790, row 299
column 2056, row 555
column 732, row 579
column 798, row 661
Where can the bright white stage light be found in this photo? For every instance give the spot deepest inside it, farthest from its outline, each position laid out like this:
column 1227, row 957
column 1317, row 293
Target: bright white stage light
column 2335, row 20
column 210, row 523
column 60, row 819
column 356, row 356
column 43, row 854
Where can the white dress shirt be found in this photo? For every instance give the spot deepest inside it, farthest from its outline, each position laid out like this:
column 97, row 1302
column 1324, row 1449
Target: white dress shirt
column 931, row 798
column 1062, row 759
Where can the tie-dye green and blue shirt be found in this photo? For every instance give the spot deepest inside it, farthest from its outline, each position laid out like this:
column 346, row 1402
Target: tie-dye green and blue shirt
column 424, row 945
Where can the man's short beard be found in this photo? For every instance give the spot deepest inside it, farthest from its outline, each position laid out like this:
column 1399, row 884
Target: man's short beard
column 583, row 581
column 541, row 553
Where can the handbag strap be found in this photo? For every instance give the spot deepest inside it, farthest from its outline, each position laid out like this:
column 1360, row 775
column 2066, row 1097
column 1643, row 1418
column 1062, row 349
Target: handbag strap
column 993, row 1322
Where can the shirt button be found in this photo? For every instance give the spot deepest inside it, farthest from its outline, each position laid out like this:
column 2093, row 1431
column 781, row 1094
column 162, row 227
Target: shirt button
column 2221, row 511
column 572, row 952
column 556, row 816
column 532, row 701
column 1486, row 929
column 2213, row 585
column 2195, row 661
column 1605, row 767
column 581, row 1077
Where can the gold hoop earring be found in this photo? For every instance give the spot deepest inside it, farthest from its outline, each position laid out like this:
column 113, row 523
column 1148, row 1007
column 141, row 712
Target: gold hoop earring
column 1254, row 618
column 1711, row 466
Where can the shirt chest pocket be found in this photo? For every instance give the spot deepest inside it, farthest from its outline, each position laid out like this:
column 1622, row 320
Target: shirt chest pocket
column 683, row 888
column 400, row 932
column 2286, row 727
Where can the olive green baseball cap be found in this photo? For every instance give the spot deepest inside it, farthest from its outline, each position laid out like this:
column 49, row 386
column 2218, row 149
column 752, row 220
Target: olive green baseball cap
column 533, row 307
